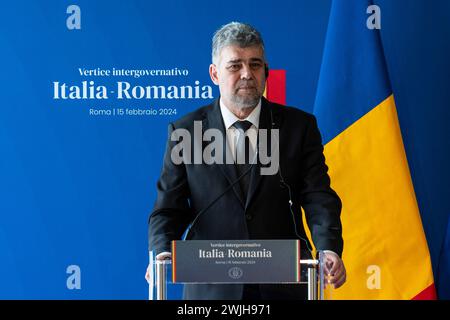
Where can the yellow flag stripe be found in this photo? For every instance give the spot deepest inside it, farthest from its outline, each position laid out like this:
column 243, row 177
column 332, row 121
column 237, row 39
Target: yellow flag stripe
column 385, row 250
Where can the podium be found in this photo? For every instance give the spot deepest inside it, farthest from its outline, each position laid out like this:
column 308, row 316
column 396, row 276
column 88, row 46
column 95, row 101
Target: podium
column 213, row 262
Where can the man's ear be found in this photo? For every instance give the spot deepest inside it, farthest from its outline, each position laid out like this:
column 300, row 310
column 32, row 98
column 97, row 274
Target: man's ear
column 213, row 74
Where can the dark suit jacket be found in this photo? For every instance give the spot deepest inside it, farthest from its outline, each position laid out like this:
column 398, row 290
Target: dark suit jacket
column 185, row 189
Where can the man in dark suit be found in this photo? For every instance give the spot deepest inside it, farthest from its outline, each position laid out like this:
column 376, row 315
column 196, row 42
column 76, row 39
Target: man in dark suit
column 236, row 200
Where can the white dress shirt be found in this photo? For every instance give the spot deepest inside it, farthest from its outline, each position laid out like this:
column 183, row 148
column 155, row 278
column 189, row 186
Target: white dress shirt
column 229, row 118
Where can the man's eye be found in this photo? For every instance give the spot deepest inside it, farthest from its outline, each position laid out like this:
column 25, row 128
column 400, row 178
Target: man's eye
column 234, row 67
column 255, row 65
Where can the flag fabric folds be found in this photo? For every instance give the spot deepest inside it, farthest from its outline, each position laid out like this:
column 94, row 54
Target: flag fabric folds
column 385, row 249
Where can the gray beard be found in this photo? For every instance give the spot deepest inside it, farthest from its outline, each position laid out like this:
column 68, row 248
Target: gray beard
column 245, row 102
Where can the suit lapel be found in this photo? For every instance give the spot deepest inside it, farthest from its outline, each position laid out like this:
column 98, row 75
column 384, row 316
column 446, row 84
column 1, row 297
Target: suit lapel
column 265, row 122
column 214, row 120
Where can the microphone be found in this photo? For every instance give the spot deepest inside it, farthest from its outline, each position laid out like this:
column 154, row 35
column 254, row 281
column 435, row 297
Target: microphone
column 217, row 198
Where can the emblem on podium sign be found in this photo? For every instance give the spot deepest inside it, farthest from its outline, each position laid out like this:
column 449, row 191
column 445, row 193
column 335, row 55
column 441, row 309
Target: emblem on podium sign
column 235, row 273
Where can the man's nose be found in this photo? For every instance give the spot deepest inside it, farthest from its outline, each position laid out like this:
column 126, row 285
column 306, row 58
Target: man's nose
column 246, row 72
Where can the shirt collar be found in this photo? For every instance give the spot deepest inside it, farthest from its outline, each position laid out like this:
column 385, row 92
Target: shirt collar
column 229, row 118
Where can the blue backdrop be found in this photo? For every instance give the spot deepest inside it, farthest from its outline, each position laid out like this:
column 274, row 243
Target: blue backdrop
column 76, row 189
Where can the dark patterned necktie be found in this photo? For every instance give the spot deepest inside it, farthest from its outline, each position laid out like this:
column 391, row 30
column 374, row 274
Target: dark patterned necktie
column 243, row 155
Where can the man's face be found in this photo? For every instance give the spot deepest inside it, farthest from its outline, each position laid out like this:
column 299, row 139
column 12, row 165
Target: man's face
column 239, row 73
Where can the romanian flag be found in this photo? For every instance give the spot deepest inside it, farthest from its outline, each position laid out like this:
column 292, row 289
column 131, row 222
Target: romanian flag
column 385, row 249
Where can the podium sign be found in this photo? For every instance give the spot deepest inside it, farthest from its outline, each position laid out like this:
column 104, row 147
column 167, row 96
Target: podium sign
column 236, row 261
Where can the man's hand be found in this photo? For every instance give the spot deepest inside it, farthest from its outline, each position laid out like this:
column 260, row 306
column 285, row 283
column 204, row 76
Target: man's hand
column 160, row 257
column 334, row 269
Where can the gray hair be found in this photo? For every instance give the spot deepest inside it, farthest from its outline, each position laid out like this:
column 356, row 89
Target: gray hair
column 235, row 33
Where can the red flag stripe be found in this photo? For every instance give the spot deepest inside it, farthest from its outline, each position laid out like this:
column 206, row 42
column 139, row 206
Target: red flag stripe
column 427, row 294
column 276, row 86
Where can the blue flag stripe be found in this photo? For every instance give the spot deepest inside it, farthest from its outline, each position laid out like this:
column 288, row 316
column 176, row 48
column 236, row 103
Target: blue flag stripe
column 347, row 91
